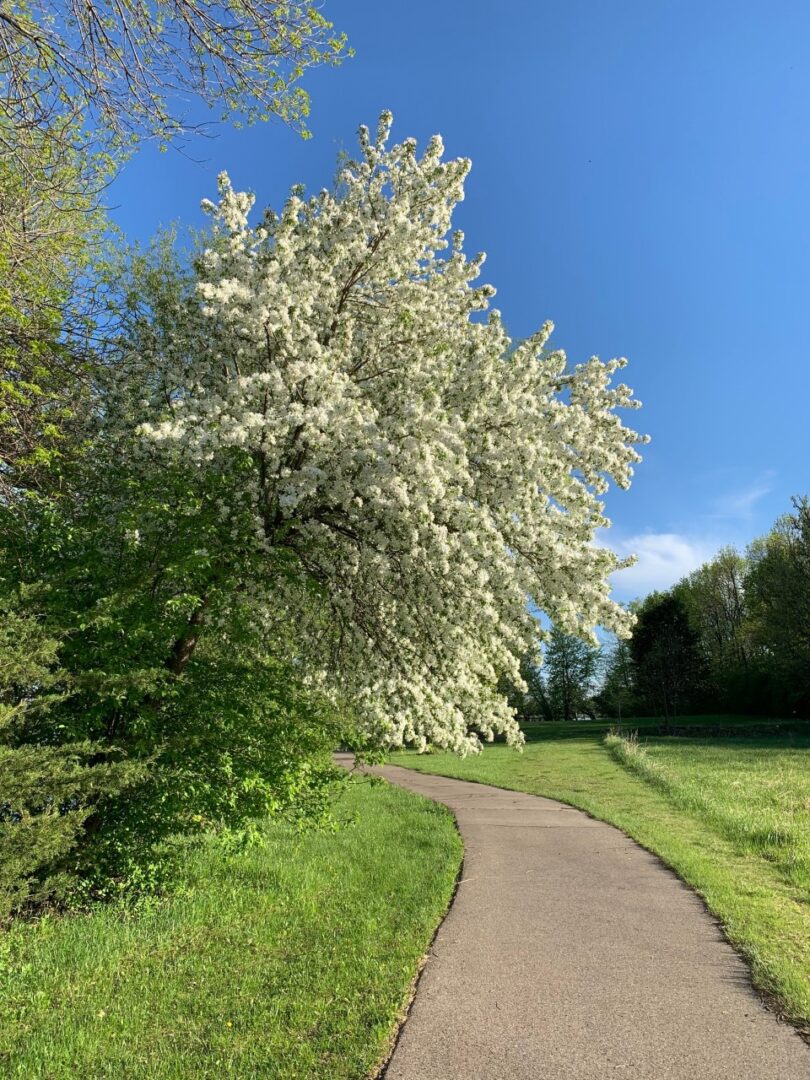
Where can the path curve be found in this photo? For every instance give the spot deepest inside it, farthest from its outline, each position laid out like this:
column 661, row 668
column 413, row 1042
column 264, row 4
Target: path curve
column 570, row 953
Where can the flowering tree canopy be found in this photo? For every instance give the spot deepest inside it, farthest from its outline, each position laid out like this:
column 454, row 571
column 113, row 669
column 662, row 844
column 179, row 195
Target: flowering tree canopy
column 401, row 482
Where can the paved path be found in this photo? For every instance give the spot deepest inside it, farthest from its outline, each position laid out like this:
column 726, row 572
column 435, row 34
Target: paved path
column 570, row 953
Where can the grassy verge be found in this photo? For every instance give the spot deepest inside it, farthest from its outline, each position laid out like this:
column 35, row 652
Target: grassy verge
column 730, row 816
column 755, row 792
column 293, row 960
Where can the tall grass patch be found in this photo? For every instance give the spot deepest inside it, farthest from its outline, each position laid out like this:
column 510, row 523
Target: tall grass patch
column 755, row 792
column 291, row 960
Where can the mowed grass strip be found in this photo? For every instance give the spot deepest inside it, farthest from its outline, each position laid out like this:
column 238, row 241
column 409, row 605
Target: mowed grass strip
column 729, row 818
column 755, row 791
column 291, row 960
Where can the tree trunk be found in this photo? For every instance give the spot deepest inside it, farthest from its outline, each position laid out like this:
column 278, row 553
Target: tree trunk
column 184, row 646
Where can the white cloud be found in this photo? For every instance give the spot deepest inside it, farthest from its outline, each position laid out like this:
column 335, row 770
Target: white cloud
column 740, row 504
column 663, row 559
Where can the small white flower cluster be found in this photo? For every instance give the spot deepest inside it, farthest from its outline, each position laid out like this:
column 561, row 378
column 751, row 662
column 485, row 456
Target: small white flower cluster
column 421, row 482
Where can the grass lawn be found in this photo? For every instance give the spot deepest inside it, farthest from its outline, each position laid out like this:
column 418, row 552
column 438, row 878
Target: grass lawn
column 288, row 961
column 731, row 815
column 755, row 792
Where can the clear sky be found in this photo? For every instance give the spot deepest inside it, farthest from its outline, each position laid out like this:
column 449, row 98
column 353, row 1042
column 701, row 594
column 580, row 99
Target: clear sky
column 641, row 175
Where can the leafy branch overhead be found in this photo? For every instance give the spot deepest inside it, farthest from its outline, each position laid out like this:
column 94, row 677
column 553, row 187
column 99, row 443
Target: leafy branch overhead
column 131, row 66
column 80, row 82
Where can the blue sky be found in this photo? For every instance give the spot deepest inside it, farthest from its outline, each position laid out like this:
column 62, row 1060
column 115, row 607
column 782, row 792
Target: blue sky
column 641, row 175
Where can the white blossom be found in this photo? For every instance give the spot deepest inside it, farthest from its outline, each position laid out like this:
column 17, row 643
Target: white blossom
column 416, row 482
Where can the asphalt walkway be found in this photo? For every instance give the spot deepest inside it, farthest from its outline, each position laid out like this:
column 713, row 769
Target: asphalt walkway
column 570, row 953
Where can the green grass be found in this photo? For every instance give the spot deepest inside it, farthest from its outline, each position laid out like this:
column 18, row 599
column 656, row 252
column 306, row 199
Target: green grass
column 755, row 792
column 293, row 960
column 730, row 815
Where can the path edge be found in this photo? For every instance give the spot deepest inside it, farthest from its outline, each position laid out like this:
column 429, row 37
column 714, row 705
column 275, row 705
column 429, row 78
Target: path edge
column 379, row 1071
column 768, row 999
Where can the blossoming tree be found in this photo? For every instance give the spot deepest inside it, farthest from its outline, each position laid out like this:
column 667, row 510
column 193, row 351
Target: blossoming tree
column 401, row 483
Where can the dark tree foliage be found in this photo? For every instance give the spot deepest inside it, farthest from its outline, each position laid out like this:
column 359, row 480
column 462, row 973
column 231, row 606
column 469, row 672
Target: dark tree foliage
column 777, row 588
column 571, row 669
column 732, row 637
column 670, row 671
column 618, row 695
column 50, row 783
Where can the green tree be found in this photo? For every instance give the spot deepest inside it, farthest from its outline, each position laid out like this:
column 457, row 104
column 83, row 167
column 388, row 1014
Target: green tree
column 49, row 786
column 101, row 552
column 217, row 732
column 715, row 601
column 666, row 654
column 48, row 310
column 129, row 69
column 618, row 693
column 104, row 574
column 534, row 700
column 571, row 666
column 777, row 588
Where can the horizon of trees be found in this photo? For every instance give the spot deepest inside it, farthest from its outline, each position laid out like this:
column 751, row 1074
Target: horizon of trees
column 731, row 637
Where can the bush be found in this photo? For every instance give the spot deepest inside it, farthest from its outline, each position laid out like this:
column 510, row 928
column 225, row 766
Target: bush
column 236, row 740
column 49, row 791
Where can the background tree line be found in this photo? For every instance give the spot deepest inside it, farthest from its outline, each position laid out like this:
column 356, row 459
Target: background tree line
column 731, row 637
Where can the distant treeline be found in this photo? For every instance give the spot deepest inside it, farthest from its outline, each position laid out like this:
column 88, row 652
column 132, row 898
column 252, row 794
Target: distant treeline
column 732, row 637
